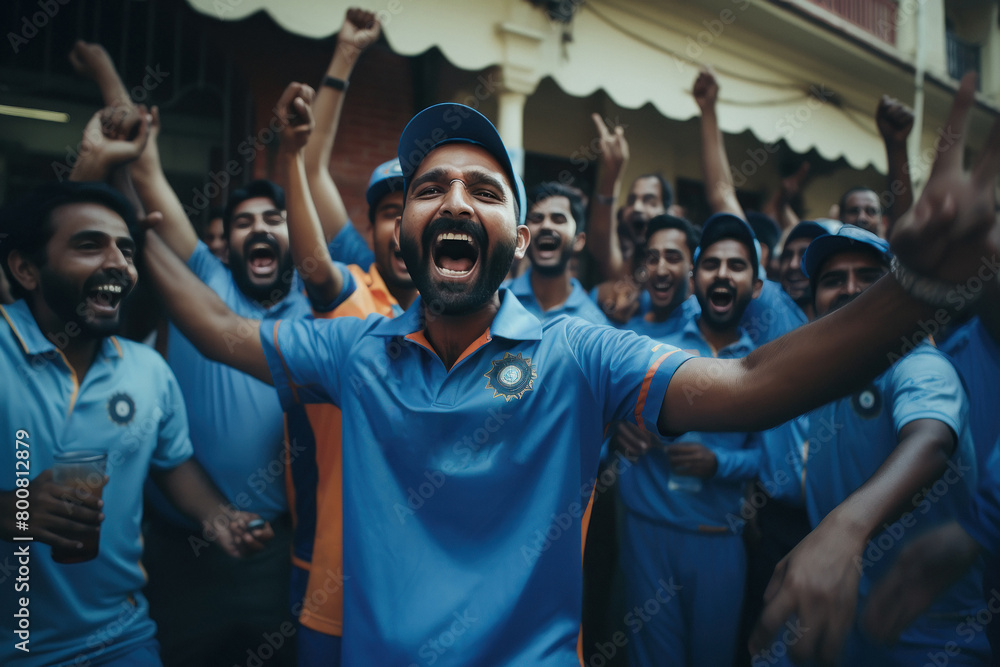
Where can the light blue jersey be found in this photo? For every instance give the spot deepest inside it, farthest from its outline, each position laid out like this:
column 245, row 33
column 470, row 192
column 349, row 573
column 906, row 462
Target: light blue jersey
column 686, row 312
column 237, row 425
column 464, row 489
column 129, row 405
column 651, row 489
column 578, row 304
column 852, row 437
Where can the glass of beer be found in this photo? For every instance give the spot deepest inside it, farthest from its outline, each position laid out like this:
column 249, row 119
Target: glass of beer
column 82, row 471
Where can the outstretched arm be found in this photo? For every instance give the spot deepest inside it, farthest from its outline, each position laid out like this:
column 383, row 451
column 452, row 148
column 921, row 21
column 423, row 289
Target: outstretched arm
column 944, row 238
column 359, row 31
column 217, row 332
column 818, row 581
column 895, row 121
column 602, row 230
column 719, row 186
column 305, row 235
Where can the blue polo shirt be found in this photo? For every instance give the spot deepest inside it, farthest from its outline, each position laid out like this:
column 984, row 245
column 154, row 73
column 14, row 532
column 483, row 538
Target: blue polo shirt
column 852, row 437
column 686, row 312
column 977, row 357
column 651, row 489
column 237, row 424
column 128, row 405
column 783, row 450
column 578, row 304
column 464, row 490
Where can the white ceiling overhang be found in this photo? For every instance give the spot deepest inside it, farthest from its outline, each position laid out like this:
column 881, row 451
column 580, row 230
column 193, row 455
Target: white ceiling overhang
column 637, row 53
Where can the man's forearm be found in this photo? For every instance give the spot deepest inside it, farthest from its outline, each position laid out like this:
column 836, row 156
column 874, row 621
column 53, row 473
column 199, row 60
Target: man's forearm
column 919, row 459
column 719, row 186
column 210, row 325
column 308, row 246
column 806, row 368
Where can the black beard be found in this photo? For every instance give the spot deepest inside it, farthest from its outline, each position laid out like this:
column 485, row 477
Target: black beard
column 728, row 322
column 70, row 305
column 452, row 299
column 552, row 270
column 274, row 291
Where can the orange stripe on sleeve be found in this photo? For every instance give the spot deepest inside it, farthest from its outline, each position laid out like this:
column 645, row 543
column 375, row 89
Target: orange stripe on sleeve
column 646, row 382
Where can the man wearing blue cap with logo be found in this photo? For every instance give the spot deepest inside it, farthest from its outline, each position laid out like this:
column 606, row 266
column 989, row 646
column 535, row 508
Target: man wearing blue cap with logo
column 472, row 432
column 884, row 452
column 683, row 498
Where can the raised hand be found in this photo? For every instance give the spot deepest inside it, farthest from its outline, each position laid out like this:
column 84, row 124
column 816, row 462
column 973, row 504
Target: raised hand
column 92, row 61
column 104, row 144
column 360, row 29
column 952, row 229
column 706, row 90
column 894, row 120
column 294, row 110
column 791, row 185
column 613, row 147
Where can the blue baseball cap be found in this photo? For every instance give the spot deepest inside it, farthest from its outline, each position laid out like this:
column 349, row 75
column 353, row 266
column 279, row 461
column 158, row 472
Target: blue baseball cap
column 454, row 123
column 848, row 237
column 387, row 177
column 721, row 226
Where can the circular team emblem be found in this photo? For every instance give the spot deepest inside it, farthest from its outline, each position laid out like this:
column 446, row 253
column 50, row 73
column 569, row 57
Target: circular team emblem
column 867, row 402
column 511, row 376
column 121, row 408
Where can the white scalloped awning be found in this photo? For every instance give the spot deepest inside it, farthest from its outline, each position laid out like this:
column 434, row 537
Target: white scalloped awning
column 637, row 53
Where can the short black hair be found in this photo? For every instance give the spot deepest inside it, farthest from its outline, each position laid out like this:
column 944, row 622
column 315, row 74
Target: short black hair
column 666, row 192
column 576, row 198
column 258, row 188
column 857, row 188
column 26, row 224
column 666, row 221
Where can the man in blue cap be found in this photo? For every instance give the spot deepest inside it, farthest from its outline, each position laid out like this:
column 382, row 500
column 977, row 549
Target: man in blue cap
column 877, row 471
column 472, row 432
column 680, row 496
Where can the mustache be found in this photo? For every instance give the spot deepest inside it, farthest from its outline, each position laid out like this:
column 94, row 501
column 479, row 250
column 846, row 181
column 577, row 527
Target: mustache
column 725, row 284
column 456, row 225
column 843, row 300
column 260, row 237
column 111, row 276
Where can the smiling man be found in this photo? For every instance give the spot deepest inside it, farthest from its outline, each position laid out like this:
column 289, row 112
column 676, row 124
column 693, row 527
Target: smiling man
column 555, row 221
column 71, row 385
column 472, row 432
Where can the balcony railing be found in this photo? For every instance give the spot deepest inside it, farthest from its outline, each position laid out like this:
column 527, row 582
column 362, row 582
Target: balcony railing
column 962, row 56
column 875, row 16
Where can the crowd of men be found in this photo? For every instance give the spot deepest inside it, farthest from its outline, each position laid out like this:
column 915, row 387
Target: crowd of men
column 756, row 440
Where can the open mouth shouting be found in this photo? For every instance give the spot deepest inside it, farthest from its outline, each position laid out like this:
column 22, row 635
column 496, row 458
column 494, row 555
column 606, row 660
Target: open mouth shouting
column 546, row 247
column 661, row 290
column 261, row 252
column 721, row 298
column 455, row 252
column 104, row 295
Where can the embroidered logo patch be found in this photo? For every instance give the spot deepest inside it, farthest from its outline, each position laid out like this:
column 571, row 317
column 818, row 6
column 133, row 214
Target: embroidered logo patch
column 867, row 402
column 121, row 408
column 511, row 376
